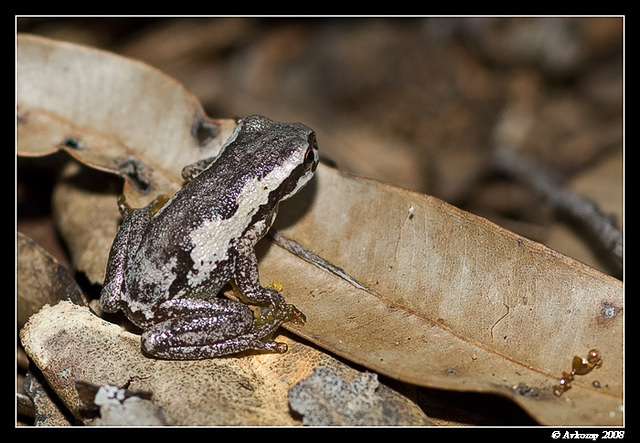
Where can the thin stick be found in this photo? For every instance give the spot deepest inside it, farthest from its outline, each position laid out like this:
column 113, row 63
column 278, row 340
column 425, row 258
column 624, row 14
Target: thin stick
column 602, row 225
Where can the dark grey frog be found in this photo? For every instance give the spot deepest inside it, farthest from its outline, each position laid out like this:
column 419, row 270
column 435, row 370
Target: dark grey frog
column 166, row 267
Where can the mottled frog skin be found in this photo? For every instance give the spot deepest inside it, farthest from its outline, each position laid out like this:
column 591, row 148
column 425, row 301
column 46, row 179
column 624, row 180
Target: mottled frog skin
column 167, row 266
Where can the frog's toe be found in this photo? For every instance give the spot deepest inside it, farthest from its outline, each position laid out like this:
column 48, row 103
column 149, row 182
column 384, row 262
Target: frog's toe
column 294, row 315
column 277, row 347
column 275, row 298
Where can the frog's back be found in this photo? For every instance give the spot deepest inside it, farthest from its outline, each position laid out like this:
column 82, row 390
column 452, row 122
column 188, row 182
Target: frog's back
column 189, row 245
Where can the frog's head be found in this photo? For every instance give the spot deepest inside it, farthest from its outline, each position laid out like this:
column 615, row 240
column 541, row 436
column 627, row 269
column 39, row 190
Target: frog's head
column 284, row 155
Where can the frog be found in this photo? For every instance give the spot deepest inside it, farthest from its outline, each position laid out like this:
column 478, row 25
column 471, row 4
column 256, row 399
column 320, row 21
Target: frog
column 170, row 259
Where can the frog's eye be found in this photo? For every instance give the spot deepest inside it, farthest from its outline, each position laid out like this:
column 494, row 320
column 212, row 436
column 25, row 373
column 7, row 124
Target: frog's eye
column 308, row 159
column 310, row 155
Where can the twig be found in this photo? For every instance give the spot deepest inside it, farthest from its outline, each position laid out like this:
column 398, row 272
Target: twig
column 602, row 226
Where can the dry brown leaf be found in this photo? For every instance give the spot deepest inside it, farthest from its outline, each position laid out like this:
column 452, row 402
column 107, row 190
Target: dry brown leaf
column 450, row 300
column 69, row 344
column 40, row 280
column 82, row 197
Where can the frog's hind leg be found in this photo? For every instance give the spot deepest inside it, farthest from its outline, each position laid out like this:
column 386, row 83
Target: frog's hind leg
column 124, row 248
column 194, row 329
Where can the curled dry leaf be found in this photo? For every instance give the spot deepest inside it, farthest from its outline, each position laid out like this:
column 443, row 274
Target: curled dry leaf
column 111, row 113
column 446, row 299
column 45, row 408
column 82, row 197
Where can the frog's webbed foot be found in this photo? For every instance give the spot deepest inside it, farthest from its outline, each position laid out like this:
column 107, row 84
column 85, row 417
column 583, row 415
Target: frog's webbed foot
column 267, row 298
column 286, row 313
column 295, row 316
column 270, row 320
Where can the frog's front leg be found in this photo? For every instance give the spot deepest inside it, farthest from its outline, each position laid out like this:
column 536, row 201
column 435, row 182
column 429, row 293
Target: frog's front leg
column 190, row 172
column 246, row 281
column 193, row 329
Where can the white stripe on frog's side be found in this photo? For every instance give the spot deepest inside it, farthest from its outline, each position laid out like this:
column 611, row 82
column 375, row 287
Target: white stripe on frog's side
column 213, row 238
column 301, row 182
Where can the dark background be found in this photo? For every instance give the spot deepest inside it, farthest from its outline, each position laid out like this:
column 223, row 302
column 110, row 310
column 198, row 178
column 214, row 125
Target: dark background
column 420, row 102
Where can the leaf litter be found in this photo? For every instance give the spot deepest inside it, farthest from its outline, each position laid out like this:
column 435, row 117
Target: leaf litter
column 437, row 280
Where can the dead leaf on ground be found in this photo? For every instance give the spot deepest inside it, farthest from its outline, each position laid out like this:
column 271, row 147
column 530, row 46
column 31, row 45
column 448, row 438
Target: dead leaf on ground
column 40, row 280
column 69, row 344
column 450, row 300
